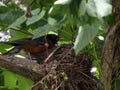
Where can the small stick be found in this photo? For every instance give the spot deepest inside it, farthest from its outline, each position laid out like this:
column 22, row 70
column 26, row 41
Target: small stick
column 20, row 5
column 51, row 54
column 38, row 83
column 59, row 85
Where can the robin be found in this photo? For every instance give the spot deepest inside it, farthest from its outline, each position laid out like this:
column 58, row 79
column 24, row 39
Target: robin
column 34, row 46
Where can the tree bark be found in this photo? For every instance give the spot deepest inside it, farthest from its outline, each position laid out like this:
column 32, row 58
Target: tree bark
column 27, row 68
column 111, row 51
column 23, row 67
column 110, row 56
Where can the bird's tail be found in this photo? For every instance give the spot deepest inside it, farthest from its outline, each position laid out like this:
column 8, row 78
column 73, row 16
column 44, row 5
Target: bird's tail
column 14, row 50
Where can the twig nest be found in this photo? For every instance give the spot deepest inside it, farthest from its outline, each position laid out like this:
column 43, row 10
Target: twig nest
column 65, row 71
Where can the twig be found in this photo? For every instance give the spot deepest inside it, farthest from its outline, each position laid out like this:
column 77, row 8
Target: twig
column 51, row 54
column 34, row 86
column 5, row 1
column 38, row 83
column 59, row 85
column 20, row 5
column 26, row 8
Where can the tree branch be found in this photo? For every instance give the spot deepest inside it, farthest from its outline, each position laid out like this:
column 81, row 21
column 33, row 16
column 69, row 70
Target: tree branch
column 20, row 5
column 26, row 68
column 26, row 8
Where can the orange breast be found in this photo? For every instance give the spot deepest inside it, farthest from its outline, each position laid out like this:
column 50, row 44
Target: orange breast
column 35, row 50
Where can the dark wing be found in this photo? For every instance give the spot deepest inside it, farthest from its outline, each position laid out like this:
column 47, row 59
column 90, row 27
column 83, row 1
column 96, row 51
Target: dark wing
column 18, row 45
column 19, row 42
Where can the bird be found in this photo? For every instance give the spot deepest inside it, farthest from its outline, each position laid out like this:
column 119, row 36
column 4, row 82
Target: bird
column 33, row 46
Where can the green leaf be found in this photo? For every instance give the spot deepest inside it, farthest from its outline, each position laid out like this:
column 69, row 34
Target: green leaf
column 2, row 4
column 58, row 12
column 35, row 18
column 103, row 7
column 36, row 11
column 44, row 30
column 85, row 34
column 117, row 84
column 52, row 21
column 82, row 8
column 91, row 8
column 12, row 81
column 99, row 8
column 67, row 34
column 39, row 23
column 7, row 17
column 63, row 2
column 4, row 48
column 19, row 34
column 24, row 83
column 9, row 79
column 17, row 22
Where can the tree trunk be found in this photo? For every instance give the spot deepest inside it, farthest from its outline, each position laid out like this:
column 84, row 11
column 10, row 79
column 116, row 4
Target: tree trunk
column 111, row 51
column 110, row 56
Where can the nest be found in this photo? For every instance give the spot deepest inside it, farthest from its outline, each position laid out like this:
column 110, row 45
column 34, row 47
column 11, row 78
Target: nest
column 65, row 71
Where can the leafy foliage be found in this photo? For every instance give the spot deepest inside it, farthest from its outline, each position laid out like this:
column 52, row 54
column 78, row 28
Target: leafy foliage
column 89, row 32
column 62, row 16
column 11, row 81
column 78, row 21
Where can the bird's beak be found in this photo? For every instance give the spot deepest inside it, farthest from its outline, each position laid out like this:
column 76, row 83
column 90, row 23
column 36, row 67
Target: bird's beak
column 61, row 39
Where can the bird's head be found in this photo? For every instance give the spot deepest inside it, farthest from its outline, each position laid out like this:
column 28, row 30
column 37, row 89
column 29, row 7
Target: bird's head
column 54, row 38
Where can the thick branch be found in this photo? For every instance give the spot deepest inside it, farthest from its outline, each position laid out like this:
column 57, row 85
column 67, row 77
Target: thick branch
column 109, row 62
column 26, row 68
